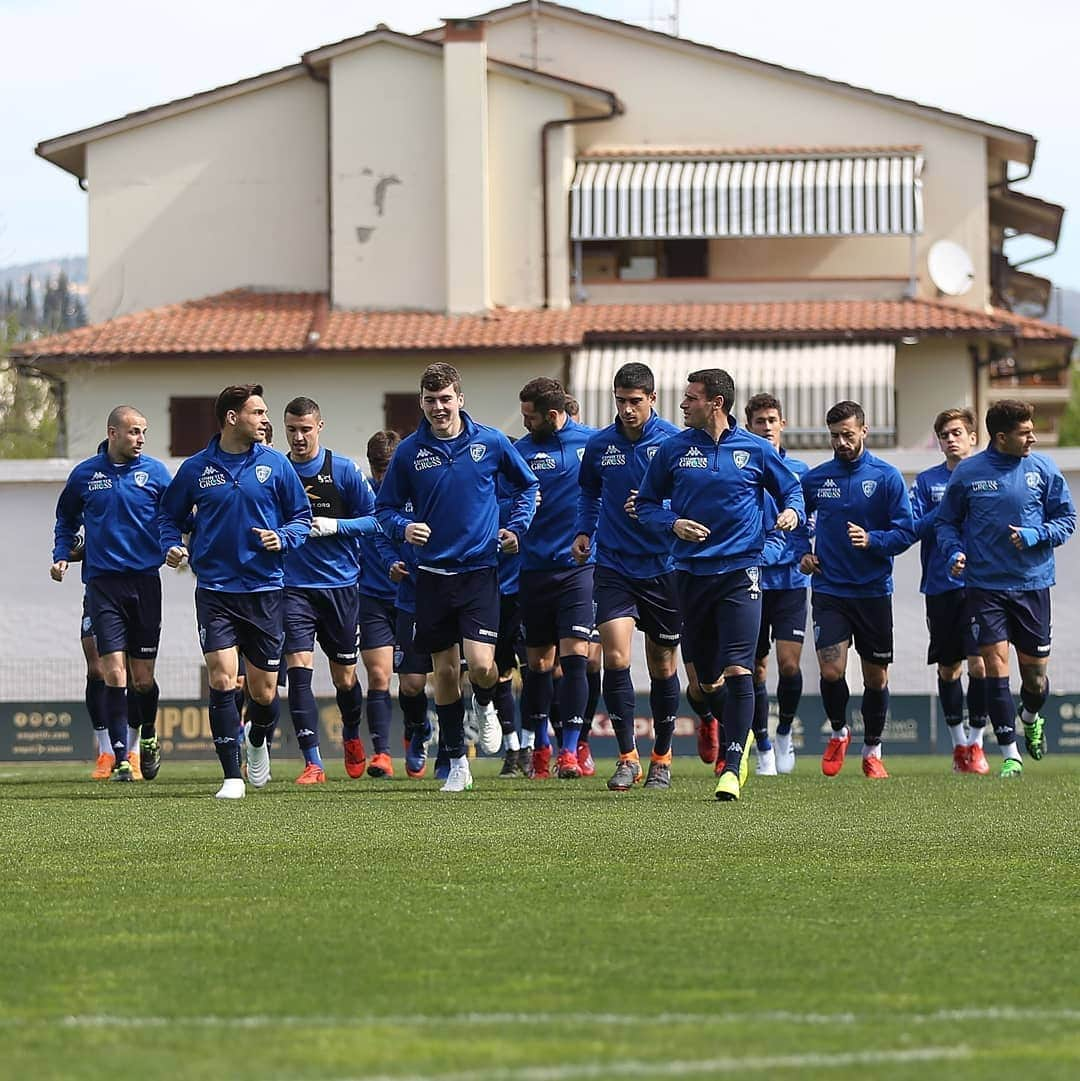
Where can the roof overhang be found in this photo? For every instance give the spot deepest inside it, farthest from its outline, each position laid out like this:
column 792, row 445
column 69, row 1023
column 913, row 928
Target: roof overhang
column 1026, row 214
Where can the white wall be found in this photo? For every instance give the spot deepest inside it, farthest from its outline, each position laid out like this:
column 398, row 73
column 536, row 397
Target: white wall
column 228, row 195
column 935, row 374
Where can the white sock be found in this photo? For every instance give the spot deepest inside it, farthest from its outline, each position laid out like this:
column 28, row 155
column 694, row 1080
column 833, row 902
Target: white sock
column 461, row 763
column 104, row 746
column 975, row 736
column 1027, row 716
column 842, row 734
column 513, row 742
column 1010, row 750
column 871, row 752
column 783, row 741
column 528, row 739
column 958, row 735
column 133, row 739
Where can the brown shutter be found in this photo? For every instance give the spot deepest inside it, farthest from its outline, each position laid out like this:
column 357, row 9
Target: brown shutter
column 191, row 424
column 401, row 413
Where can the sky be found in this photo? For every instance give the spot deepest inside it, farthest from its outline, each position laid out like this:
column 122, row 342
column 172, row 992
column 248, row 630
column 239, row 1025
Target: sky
column 69, row 64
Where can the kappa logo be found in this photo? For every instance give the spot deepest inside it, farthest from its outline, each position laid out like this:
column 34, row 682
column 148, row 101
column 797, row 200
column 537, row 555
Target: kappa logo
column 829, row 490
column 984, row 485
column 99, row 482
column 211, row 478
column 612, row 456
column 262, row 473
column 740, row 458
column 693, row 459
column 869, row 487
column 539, row 462
column 426, row 459
column 1033, row 480
column 477, row 451
column 141, row 478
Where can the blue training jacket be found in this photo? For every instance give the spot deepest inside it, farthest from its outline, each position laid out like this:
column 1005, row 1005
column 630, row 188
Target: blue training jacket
column 374, row 577
column 926, row 495
column 783, row 550
column 391, row 552
column 869, row 493
column 333, row 562
column 118, row 507
column 991, row 491
column 261, row 491
column 555, row 461
column 452, row 486
column 720, row 484
column 613, row 466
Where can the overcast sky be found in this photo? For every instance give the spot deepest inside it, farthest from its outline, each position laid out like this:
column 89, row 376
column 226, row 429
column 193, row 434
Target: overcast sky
column 67, row 64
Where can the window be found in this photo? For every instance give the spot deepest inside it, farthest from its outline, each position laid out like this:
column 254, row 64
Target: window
column 401, row 413
column 191, row 425
column 644, row 260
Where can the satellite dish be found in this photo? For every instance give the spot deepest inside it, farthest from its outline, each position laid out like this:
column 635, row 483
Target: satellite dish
column 950, row 268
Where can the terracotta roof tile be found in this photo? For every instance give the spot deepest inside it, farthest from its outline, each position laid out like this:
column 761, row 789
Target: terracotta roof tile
column 246, row 321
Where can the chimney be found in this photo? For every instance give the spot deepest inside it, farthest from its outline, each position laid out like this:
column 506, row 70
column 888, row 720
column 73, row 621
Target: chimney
column 468, row 286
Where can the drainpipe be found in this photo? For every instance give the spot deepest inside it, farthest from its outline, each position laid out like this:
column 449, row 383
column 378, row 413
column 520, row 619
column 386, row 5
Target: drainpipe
column 616, row 108
column 325, row 80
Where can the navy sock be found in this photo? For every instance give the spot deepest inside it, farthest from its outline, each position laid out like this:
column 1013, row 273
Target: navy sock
column 414, row 709
column 556, row 712
column 379, row 714
column 116, row 717
column 619, row 699
column 304, row 711
column 573, row 694
column 262, row 719
column 951, row 695
column 700, row 706
column 977, row 702
column 484, row 695
column 718, row 703
column 148, row 703
column 834, row 697
column 761, row 716
column 539, row 689
column 1033, row 701
column 592, row 701
column 504, row 705
column 134, row 717
column 224, row 727
column 350, row 701
column 1002, row 709
column 788, row 695
column 664, row 695
column 95, row 704
column 452, row 727
column 238, row 694
column 875, row 707
column 738, row 719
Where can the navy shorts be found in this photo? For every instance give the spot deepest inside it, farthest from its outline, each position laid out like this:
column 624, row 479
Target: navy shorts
column 867, row 620
column 947, row 621
column 329, row 615
column 252, row 622
column 653, row 603
column 451, row 608
column 378, row 622
column 1021, row 617
column 783, row 618
column 557, row 605
column 721, row 617
column 510, row 647
column 86, row 624
column 407, row 660
column 125, row 612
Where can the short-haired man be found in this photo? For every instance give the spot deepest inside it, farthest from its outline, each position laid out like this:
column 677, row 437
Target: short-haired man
column 115, row 496
column 863, row 520
column 448, row 469
column 783, row 608
column 252, row 508
column 1004, row 512
column 556, row 592
column 321, row 598
column 716, row 476
column 946, row 600
column 634, row 581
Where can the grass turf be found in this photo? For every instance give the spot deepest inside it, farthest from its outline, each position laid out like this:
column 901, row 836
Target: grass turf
column 924, row 926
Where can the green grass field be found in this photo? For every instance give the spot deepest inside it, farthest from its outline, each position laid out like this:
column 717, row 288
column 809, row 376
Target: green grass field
column 925, row 927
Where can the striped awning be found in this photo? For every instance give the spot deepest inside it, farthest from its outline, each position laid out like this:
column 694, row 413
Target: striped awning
column 647, row 198
column 807, row 377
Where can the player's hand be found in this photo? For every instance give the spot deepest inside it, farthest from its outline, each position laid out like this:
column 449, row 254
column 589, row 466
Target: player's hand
column 858, row 536
column 175, row 556
column 630, row 506
column 810, row 564
column 957, row 564
column 688, row 530
column 788, row 520
column 581, row 547
column 323, row 527
column 270, row 541
column 398, row 571
column 418, row 533
column 508, row 542
column 1023, row 537
column 58, row 570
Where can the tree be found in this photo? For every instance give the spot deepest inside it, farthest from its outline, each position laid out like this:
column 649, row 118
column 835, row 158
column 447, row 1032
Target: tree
column 29, row 410
column 29, row 313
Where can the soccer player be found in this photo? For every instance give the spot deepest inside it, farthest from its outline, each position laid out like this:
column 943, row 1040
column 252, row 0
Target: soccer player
column 556, row 590
column 716, row 476
column 783, row 609
column 115, row 496
column 946, row 616
column 447, row 469
column 252, row 508
column 1004, row 512
column 634, row 581
column 863, row 521
column 321, row 597
column 510, row 656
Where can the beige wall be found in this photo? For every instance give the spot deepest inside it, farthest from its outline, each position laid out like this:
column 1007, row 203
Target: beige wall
column 350, row 391
column 674, row 96
column 387, row 146
column 705, row 292
column 228, row 195
column 934, row 374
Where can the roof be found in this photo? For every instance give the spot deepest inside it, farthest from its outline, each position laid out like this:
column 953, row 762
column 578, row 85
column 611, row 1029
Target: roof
column 246, row 321
column 613, row 153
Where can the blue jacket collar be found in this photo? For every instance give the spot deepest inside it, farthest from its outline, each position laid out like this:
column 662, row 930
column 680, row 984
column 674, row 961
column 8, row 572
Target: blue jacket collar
column 425, row 436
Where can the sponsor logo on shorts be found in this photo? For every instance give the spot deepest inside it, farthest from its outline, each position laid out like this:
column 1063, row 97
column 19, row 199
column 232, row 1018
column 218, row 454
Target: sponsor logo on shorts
column 202, row 636
column 141, row 477
column 693, row 459
column 87, row 624
column 147, row 649
column 612, row 456
column 477, row 451
column 975, row 628
column 869, row 487
column 882, row 656
column 669, row 637
column 540, row 462
column 262, row 473
column 273, row 662
column 798, row 632
column 580, row 629
column 817, row 632
column 829, row 490
column 486, row 633
column 1043, row 648
column 99, row 482
column 754, row 575
column 1033, row 480
column 211, row 478
column 740, row 458
column 426, row 459
column 984, row 485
